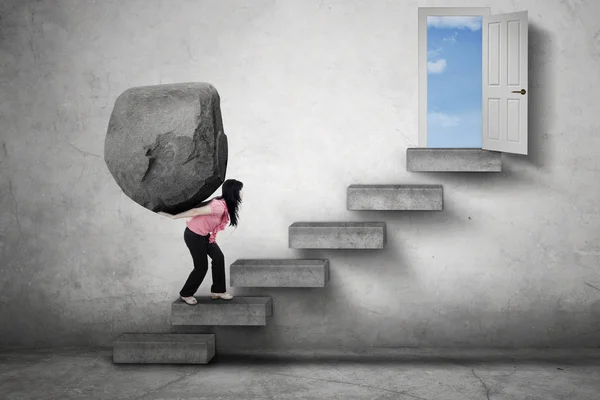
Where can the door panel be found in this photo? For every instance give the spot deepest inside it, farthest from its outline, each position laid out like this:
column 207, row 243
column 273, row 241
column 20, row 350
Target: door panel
column 505, row 84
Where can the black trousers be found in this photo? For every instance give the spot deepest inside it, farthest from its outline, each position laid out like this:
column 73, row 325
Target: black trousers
column 200, row 248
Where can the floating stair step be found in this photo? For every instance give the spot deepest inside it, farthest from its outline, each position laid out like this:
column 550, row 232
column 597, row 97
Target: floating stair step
column 248, row 311
column 395, row 197
column 279, row 273
column 163, row 348
column 337, row 235
column 425, row 159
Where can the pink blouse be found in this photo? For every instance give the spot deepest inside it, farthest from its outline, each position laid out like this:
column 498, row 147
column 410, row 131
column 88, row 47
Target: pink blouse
column 213, row 223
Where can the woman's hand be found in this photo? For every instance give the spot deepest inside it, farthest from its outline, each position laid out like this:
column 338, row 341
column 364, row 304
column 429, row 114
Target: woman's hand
column 164, row 214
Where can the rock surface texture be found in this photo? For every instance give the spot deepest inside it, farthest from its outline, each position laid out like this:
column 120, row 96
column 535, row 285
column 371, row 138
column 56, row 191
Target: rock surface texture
column 165, row 145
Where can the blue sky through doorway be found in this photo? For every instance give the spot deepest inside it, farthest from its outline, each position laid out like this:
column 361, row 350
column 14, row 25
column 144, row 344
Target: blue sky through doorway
column 454, row 81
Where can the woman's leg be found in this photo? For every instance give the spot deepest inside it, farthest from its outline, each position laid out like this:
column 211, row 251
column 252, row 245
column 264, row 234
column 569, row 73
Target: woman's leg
column 218, row 268
column 198, row 248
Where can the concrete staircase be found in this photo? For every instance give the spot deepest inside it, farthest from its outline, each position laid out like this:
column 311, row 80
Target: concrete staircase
column 425, row 159
column 337, row 235
column 164, row 348
column 395, row 197
column 246, row 311
column 167, row 348
column 279, row 273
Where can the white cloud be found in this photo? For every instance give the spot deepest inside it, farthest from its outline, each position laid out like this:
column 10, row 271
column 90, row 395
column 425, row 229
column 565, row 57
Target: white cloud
column 455, row 22
column 451, row 39
column 434, row 53
column 436, row 67
column 441, row 119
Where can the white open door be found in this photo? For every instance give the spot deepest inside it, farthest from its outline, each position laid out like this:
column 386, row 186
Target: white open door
column 505, row 90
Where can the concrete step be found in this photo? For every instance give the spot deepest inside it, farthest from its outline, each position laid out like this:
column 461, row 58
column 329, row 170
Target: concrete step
column 163, row 348
column 279, row 273
column 242, row 310
column 337, row 235
column 426, row 159
column 395, row 197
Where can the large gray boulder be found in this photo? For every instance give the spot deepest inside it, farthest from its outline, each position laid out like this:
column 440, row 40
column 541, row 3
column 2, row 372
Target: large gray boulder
column 165, row 146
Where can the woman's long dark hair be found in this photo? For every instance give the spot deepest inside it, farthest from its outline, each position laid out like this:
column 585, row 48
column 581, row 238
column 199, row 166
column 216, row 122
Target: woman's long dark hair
column 230, row 192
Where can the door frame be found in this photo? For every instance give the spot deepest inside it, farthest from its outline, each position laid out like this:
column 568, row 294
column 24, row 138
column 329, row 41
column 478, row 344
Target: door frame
column 425, row 12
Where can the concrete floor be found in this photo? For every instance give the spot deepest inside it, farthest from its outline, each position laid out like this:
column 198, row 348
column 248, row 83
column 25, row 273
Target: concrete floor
column 90, row 374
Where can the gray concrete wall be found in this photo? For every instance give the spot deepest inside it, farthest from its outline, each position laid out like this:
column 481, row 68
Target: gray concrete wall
column 316, row 96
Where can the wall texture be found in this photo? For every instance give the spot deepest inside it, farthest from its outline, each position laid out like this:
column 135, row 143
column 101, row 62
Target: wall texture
column 316, row 96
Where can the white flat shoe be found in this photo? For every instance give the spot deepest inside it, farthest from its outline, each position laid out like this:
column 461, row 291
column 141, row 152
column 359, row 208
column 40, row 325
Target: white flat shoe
column 224, row 296
column 189, row 300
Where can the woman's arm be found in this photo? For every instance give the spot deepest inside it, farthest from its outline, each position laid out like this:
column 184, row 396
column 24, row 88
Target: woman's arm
column 189, row 213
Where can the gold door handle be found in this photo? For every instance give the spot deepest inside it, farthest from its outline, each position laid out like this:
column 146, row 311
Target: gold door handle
column 522, row 91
